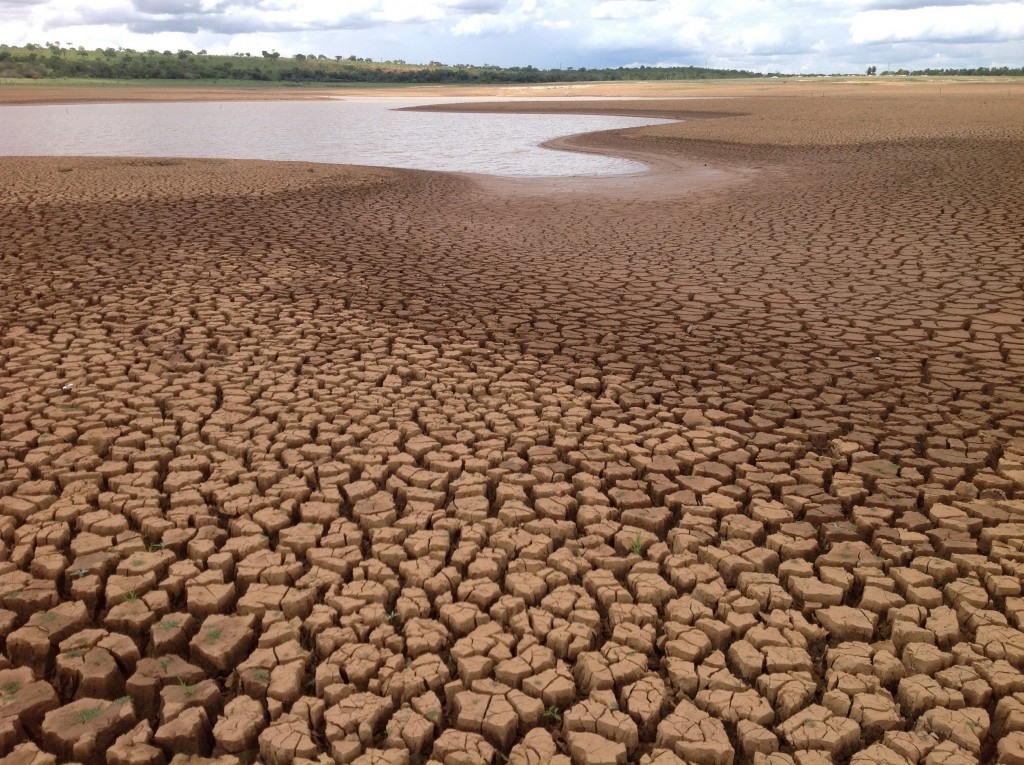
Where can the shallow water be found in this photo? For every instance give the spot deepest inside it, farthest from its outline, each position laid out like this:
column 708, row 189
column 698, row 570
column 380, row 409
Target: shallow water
column 349, row 131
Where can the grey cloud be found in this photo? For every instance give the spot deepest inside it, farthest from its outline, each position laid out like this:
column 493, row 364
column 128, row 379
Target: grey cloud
column 170, row 7
column 153, row 26
column 226, row 25
column 981, row 38
column 649, row 57
column 17, row 10
column 477, row 6
column 247, row 6
column 233, row 25
column 218, row 21
column 921, row 55
column 909, row 5
column 86, row 16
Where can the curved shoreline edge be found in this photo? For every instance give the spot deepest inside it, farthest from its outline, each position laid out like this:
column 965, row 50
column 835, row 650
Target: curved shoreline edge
column 667, row 174
column 659, row 166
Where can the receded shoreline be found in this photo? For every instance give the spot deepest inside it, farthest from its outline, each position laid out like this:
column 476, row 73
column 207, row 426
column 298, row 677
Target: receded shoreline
column 303, row 460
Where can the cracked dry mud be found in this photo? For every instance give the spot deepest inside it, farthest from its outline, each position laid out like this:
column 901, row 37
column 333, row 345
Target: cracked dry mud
column 324, row 464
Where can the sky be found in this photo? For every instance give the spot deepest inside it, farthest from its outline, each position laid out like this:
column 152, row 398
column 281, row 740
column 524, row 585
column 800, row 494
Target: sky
column 800, row 36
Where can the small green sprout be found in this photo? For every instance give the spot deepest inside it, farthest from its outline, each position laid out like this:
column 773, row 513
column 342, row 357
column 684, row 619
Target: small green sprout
column 552, row 714
column 88, row 715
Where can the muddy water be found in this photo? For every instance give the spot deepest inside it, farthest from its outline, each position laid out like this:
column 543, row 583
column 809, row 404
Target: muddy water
column 350, row 131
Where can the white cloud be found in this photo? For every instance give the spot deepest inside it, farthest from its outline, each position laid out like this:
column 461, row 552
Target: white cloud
column 407, row 11
column 624, row 9
column 485, row 24
column 765, row 37
column 506, row 18
column 663, row 25
column 997, row 22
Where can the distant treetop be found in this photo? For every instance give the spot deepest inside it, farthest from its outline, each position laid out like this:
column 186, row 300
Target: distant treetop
column 57, row 60
column 54, row 60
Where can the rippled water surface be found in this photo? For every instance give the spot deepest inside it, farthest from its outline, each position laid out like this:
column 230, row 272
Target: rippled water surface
column 350, row 131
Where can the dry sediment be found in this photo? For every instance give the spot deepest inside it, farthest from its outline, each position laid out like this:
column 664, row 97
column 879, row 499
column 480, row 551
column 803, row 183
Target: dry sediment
column 359, row 465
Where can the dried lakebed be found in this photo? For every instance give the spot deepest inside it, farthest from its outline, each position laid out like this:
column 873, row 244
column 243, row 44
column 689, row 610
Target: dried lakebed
column 307, row 463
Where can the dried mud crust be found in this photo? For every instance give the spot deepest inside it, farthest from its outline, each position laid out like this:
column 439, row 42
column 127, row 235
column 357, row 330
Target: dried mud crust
column 303, row 463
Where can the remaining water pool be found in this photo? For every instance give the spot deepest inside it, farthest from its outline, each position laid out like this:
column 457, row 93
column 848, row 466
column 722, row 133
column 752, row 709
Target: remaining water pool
column 350, row 131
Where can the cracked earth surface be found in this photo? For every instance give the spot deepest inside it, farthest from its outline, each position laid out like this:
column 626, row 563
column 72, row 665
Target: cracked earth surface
column 310, row 463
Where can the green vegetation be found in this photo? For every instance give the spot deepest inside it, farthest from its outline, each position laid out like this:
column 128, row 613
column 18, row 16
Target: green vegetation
column 189, row 689
column 552, row 714
column 981, row 71
column 55, row 61
column 87, row 715
column 637, row 547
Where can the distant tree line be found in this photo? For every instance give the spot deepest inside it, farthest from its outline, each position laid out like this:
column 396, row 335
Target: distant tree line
column 53, row 60
column 981, row 71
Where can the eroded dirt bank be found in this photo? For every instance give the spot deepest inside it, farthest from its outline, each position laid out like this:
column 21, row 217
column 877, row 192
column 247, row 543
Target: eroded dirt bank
column 334, row 463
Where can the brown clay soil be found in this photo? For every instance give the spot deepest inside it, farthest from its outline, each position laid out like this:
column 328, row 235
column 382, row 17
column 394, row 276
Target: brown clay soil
column 719, row 464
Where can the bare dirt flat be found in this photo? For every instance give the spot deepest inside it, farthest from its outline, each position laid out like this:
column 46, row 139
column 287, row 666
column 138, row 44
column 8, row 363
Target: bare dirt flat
column 717, row 465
